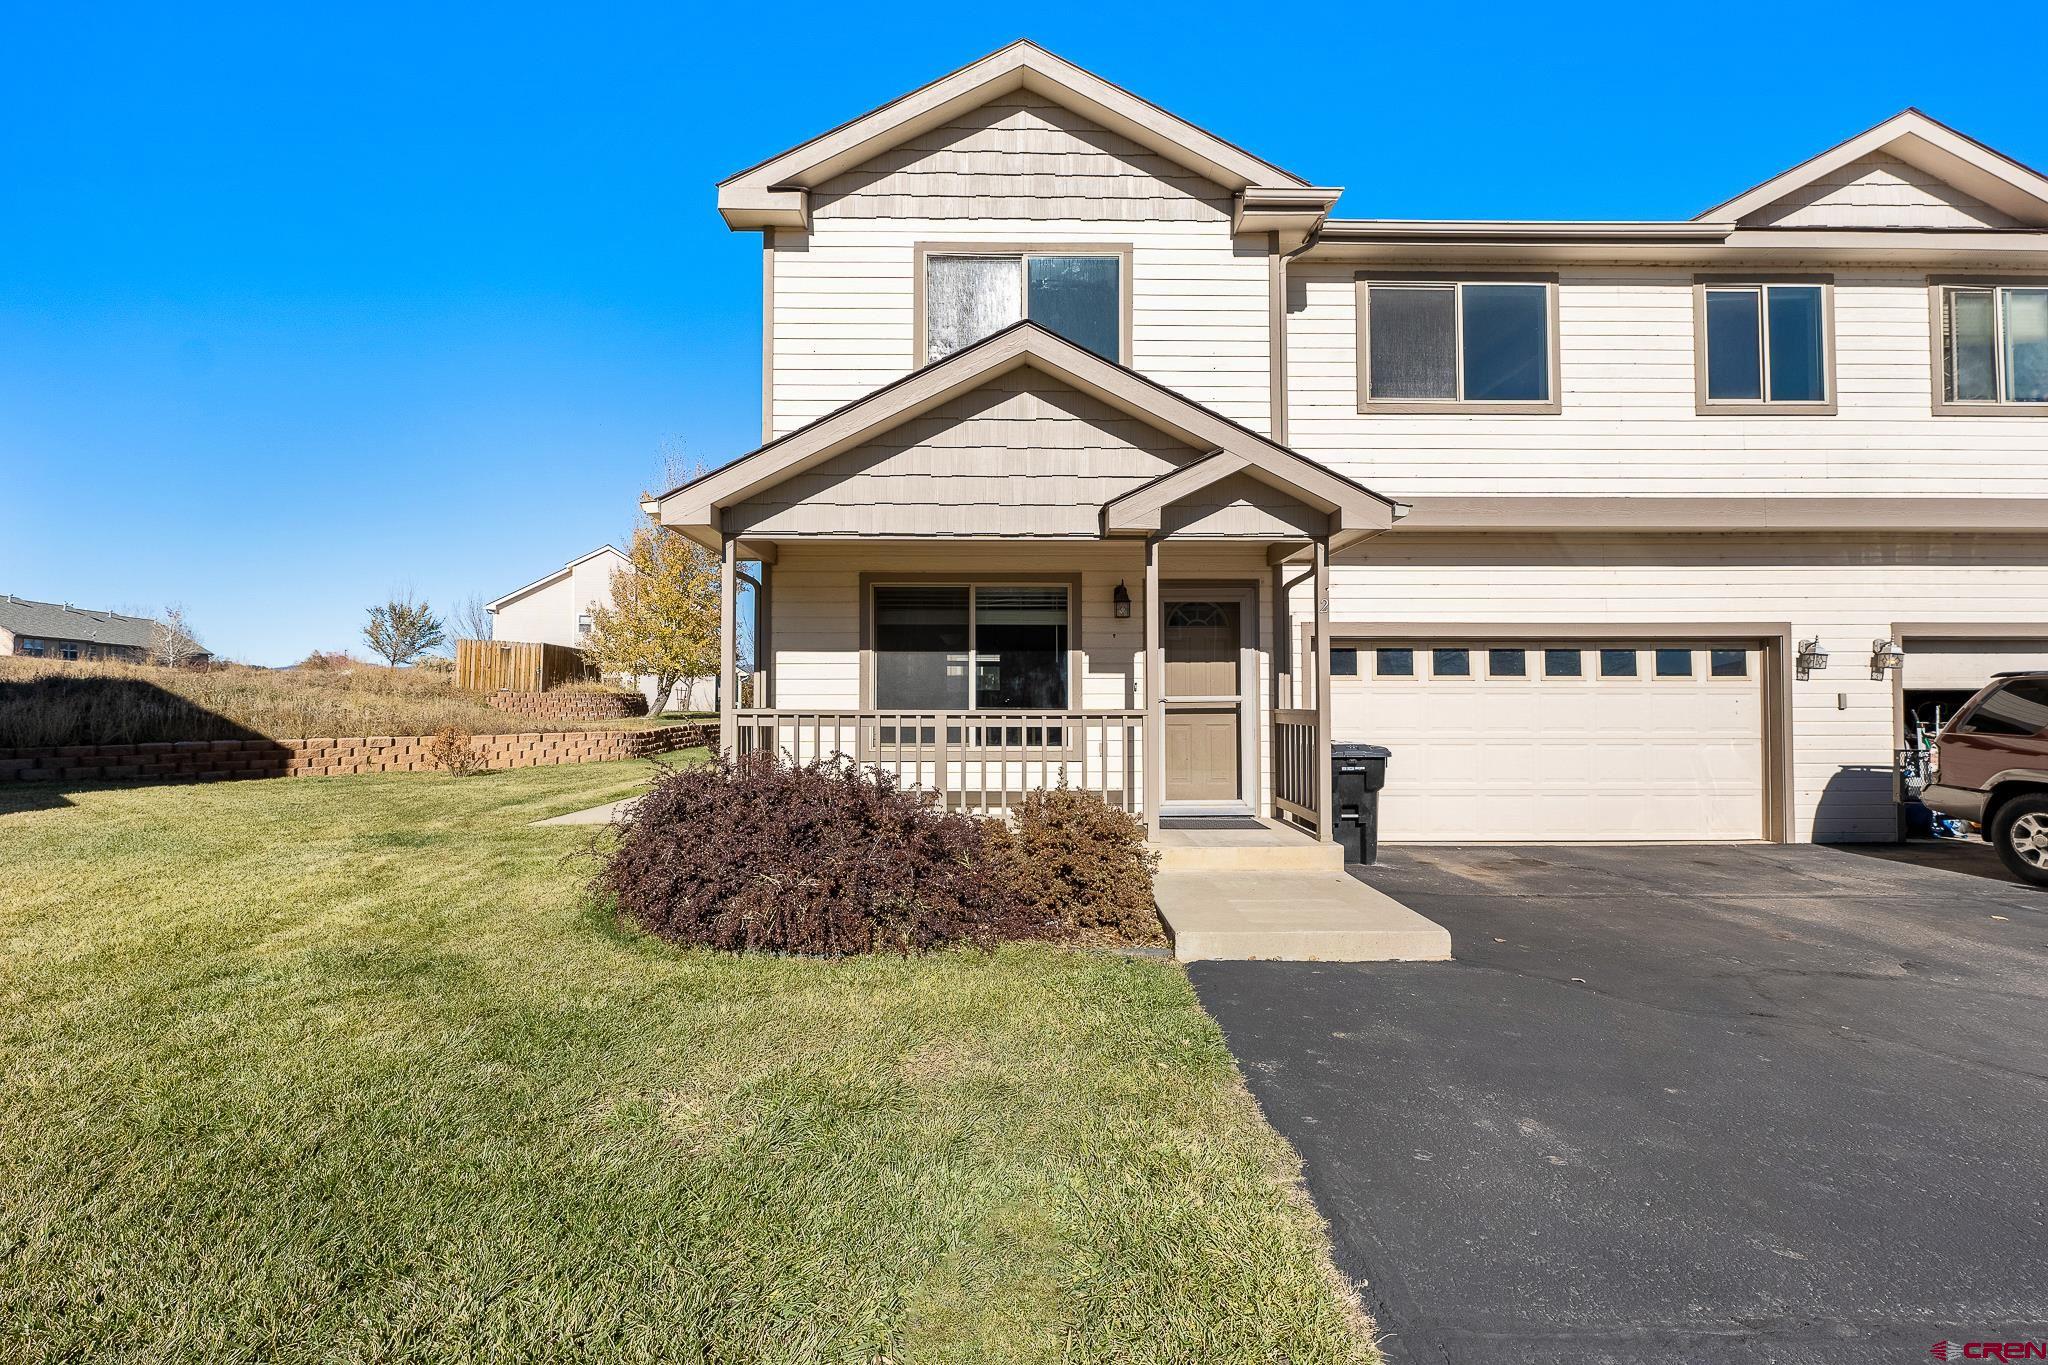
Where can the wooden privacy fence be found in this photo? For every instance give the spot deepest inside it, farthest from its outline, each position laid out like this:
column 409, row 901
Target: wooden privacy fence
column 517, row 666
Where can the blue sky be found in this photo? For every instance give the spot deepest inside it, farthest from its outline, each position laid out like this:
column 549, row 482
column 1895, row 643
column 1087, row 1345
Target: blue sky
column 302, row 304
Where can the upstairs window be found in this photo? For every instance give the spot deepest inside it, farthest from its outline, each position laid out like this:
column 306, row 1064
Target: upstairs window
column 1077, row 294
column 1765, row 346
column 1994, row 347
column 1428, row 344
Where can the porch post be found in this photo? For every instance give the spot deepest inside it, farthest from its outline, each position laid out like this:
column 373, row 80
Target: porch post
column 728, row 665
column 1325, row 796
column 1155, row 692
column 764, row 635
column 1283, row 647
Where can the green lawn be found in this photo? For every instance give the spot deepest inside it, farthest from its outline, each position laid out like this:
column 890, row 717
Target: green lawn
column 347, row 1069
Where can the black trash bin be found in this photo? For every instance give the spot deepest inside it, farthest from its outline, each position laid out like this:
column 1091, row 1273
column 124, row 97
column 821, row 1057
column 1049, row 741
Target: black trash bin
column 1357, row 772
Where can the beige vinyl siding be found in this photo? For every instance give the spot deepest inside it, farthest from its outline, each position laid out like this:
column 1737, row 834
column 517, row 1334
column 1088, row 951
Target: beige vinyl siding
column 1025, row 158
column 843, row 302
column 1628, row 423
column 1242, row 506
column 815, row 602
column 1879, row 191
column 1022, row 455
column 1846, row 589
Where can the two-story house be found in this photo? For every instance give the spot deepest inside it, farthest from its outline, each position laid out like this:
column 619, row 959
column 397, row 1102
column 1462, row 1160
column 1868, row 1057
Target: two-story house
column 1096, row 449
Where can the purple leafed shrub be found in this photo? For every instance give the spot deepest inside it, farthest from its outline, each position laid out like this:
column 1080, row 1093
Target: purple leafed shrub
column 822, row 859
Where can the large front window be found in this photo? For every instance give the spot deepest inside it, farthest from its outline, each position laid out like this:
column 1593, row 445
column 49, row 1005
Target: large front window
column 959, row 647
column 1994, row 345
column 970, row 296
column 1457, row 343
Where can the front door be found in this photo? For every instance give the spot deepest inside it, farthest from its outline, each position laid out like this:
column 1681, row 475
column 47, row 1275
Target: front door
column 1204, row 695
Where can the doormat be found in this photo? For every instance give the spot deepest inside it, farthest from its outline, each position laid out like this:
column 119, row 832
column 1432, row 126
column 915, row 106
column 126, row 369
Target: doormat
column 1209, row 822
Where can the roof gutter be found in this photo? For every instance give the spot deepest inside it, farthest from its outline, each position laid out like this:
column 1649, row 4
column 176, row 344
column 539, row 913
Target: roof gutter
column 1502, row 230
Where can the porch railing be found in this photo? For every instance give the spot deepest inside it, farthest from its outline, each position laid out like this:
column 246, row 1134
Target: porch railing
column 1297, row 786
column 979, row 762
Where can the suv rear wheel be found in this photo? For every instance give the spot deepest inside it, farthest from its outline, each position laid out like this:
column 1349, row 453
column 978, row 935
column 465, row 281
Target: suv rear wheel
column 2020, row 834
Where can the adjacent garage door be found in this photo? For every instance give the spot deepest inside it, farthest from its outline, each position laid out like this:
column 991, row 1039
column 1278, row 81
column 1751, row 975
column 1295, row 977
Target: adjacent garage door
column 1966, row 664
column 1559, row 741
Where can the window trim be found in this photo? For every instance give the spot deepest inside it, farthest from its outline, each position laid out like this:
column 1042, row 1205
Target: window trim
column 1704, row 406
column 1075, row 655
column 924, row 250
column 1362, row 283
column 1937, row 288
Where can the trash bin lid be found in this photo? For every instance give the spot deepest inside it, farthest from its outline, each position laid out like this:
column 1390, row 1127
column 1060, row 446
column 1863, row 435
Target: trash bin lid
column 1360, row 751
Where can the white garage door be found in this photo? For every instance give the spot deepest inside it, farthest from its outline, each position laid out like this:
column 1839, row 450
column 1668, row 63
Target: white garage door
column 1967, row 663
column 1536, row 740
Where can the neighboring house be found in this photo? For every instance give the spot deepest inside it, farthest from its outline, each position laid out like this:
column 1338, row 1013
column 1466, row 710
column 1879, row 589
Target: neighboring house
column 58, row 630
column 556, row 610
column 1064, row 395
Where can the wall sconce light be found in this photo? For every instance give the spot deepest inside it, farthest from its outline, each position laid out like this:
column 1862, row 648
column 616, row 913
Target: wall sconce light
column 1811, row 657
column 1122, row 598
column 1885, row 657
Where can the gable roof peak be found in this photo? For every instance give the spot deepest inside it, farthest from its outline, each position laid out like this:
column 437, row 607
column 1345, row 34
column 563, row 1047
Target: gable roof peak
column 696, row 508
column 775, row 192
column 1923, row 142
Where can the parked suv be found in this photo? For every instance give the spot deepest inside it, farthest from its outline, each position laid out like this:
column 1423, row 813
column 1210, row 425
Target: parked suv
column 1991, row 766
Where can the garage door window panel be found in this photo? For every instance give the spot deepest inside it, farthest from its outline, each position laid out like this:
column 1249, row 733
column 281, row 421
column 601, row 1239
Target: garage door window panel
column 1728, row 663
column 1617, row 663
column 1563, row 663
column 1453, row 662
column 1507, row 663
column 1393, row 661
column 1674, row 663
column 1483, row 343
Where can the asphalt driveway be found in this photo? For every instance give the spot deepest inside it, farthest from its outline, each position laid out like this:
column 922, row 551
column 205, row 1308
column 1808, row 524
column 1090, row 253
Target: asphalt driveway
column 1690, row 1104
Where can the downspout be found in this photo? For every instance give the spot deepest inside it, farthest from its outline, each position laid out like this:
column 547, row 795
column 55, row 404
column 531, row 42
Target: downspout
column 1279, row 395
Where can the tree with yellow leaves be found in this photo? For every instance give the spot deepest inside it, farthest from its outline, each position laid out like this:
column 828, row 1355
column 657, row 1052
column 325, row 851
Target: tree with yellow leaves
column 663, row 621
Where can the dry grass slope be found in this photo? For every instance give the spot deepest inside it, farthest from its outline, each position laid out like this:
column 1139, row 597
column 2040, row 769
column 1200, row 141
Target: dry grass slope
column 48, row 703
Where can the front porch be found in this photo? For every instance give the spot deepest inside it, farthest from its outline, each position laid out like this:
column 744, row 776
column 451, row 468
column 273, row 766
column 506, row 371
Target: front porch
column 843, row 634
column 1026, row 565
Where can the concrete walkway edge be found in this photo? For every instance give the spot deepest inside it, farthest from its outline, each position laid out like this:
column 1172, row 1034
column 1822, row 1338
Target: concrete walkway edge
column 1288, row 916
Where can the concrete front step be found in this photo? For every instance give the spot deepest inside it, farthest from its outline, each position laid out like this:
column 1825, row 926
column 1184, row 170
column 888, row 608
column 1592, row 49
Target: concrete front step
column 1298, row 854
column 1285, row 916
